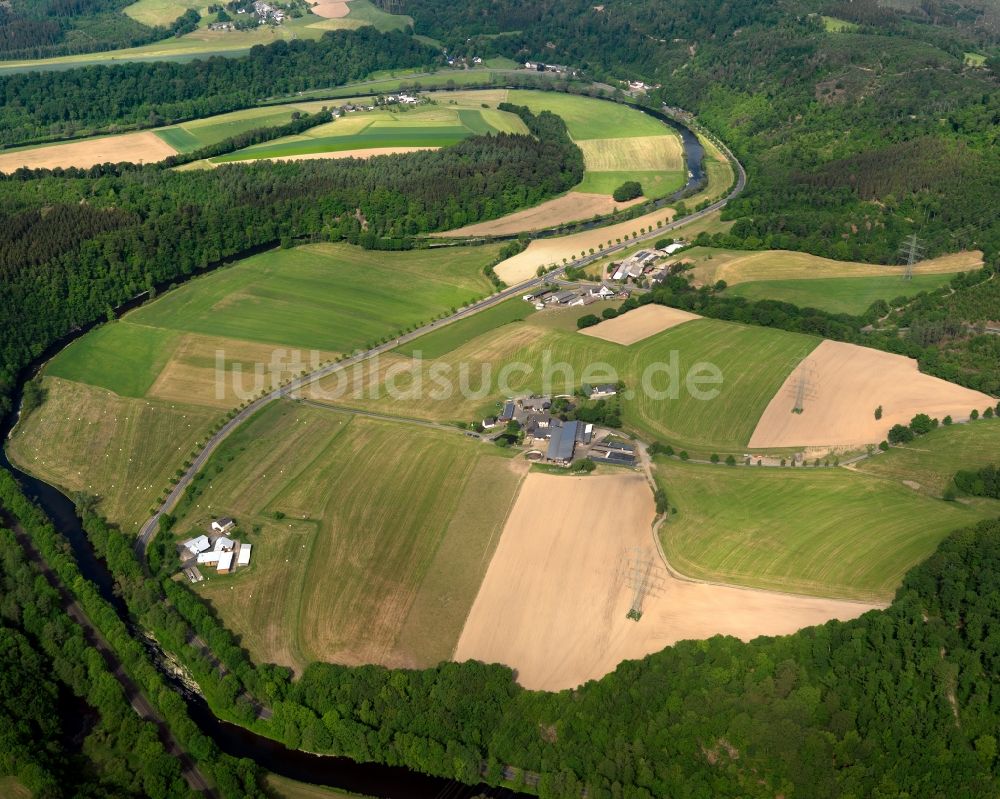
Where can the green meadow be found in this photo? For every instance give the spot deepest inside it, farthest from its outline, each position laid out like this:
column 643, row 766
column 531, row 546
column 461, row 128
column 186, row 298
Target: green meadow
column 327, row 296
column 851, row 295
column 440, row 342
column 589, row 118
column 654, row 184
column 825, row 531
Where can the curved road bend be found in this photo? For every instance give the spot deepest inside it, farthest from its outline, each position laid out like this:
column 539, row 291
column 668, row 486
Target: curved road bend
column 151, row 526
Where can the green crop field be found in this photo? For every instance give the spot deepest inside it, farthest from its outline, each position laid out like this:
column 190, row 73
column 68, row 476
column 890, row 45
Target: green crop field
column 370, row 538
column 588, row 118
column 826, row 531
column 753, row 361
column 210, row 130
column 851, row 295
column 931, row 461
column 654, row 184
column 427, row 126
column 440, row 342
column 328, row 296
column 119, row 356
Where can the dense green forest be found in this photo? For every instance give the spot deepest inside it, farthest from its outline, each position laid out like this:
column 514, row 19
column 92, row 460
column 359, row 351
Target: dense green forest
column 852, row 140
column 898, row 702
column 55, row 104
column 42, row 28
column 80, row 242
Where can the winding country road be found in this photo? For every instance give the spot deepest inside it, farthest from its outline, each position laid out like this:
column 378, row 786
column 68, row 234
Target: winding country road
column 150, row 528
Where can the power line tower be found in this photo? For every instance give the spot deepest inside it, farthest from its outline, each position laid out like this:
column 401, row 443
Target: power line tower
column 911, row 252
column 804, row 387
column 644, row 578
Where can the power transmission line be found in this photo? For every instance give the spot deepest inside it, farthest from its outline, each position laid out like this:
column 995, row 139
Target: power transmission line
column 911, row 251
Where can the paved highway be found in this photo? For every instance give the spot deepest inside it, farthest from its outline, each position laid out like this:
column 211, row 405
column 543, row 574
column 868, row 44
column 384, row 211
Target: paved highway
column 149, row 529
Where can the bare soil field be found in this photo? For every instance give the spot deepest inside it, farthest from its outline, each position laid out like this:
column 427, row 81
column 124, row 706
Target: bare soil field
column 576, row 206
column 845, row 383
column 144, row 146
column 639, row 323
column 742, row 267
column 553, row 603
column 550, row 252
column 637, row 154
column 331, row 9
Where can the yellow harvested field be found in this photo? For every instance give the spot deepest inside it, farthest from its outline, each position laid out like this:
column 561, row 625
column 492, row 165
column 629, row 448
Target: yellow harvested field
column 576, row 206
column 845, row 383
column 550, row 252
column 331, row 9
column 365, row 152
column 740, row 267
column 144, row 146
column 192, row 374
column 554, row 601
column 640, row 153
column 640, row 323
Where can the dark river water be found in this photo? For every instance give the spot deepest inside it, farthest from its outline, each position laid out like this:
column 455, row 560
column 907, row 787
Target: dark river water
column 372, row 779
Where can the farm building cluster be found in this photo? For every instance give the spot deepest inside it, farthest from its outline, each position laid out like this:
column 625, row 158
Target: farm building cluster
column 216, row 549
column 644, row 263
column 560, row 296
column 562, row 440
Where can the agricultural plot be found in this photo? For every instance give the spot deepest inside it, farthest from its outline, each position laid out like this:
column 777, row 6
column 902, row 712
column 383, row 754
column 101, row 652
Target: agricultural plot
column 803, row 530
column 142, row 390
column 158, row 12
column 553, row 604
column 426, row 127
column 829, row 400
column 144, row 146
column 120, row 449
column 618, row 143
column 442, row 341
column 739, row 266
column 851, row 295
column 198, row 133
column 529, row 356
column 928, row 464
column 372, row 537
column 328, row 297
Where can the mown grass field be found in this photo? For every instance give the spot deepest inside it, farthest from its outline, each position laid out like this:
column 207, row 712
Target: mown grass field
column 931, row 461
column 852, row 295
column 425, row 126
column 534, row 356
column 440, row 342
column 198, row 133
column 120, row 449
column 385, row 532
column 327, row 296
column 826, row 532
column 589, row 118
column 159, row 12
column 654, row 184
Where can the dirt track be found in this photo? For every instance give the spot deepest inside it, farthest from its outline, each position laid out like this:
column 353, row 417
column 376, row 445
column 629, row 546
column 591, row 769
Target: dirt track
column 554, row 601
column 145, row 146
column 845, row 383
column 576, row 206
column 639, row 323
